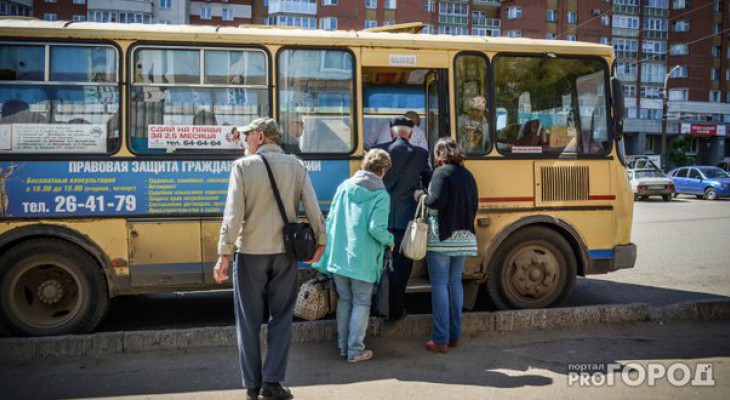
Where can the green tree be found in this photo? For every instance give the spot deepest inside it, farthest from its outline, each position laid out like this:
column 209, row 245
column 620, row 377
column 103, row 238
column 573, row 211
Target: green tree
column 678, row 149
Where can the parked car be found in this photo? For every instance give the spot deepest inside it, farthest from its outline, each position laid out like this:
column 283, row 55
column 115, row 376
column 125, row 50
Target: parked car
column 724, row 165
column 650, row 182
column 702, row 181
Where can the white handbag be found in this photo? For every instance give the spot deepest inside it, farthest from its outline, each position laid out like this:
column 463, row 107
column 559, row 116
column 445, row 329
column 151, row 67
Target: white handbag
column 413, row 245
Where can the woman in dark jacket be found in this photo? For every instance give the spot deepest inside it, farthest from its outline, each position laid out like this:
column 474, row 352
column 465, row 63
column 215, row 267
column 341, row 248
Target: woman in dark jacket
column 453, row 200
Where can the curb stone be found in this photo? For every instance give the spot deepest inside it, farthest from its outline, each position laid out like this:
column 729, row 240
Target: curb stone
column 23, row 350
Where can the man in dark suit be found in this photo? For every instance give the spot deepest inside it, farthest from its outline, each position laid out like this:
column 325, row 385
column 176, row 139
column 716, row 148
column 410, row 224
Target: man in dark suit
column 410, row 172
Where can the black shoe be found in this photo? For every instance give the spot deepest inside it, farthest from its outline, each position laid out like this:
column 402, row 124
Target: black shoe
column 274, row 391
column 252, row 394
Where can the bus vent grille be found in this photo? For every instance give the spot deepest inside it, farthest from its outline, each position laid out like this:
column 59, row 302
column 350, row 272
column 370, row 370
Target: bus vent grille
column 564, row 183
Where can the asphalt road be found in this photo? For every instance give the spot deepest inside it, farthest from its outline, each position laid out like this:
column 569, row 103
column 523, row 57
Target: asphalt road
column 532, row 364
column 684, row 254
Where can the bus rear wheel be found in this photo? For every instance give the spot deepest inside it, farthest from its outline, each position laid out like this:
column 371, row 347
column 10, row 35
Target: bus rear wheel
column 535, row 267
column 50, row 287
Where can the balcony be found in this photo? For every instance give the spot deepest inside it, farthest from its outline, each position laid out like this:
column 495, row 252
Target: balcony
column 625, row 32
column 653, row 56
column 625, row 9
column 292, row 7
column 627, row 78
column 626, row 54
column 453, row 19
column 655, row 35
column 134, row 6
column 488, row 3
column 656, row 12
column 492, row 23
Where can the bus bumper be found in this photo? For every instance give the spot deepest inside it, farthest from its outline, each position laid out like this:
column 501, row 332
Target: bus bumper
column 603, row 262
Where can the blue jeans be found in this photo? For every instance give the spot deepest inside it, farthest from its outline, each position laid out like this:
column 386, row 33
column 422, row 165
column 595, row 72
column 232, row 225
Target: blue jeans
column 447, row 296
column 353, row 312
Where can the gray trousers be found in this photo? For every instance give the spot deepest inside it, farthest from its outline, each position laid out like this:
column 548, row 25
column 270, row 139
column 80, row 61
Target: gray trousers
column 260, row 281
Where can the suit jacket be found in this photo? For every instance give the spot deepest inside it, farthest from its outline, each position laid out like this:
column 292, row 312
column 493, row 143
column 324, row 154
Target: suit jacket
column 410, row 171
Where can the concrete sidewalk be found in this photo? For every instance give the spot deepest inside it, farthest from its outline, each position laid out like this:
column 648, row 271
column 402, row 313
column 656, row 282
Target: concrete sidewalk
column 527, row 364
column 15, row 350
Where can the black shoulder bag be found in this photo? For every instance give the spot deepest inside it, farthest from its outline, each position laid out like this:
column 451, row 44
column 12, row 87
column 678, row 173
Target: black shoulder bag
column 299, row 239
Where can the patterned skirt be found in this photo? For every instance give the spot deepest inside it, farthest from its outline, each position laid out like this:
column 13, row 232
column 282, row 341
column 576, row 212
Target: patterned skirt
column 460, row 243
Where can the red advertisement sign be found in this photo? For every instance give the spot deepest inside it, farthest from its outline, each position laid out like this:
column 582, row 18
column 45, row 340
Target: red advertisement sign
column 704, row 130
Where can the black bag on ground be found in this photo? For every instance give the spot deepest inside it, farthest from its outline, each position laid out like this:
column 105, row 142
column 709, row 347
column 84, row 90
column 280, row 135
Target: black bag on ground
column 299, row 239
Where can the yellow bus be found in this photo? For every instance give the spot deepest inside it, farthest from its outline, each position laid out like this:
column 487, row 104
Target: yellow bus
column 116, row 143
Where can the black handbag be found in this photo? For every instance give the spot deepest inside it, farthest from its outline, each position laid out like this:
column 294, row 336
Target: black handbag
column 299, row 239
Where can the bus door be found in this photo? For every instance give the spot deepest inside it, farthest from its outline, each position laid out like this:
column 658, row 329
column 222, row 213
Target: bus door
column 437, row 108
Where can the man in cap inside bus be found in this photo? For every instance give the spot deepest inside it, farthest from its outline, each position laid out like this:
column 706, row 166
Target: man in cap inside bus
column 263, row 274
column 409, row 173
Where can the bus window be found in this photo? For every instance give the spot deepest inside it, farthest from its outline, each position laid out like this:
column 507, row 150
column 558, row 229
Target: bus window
column 71, row 106
column 175, row 107
column 315, row 95
column 472, row 126
column 551, row 105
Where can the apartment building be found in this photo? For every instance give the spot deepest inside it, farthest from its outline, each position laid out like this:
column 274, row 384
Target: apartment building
column 681, row 42
column 16, row 8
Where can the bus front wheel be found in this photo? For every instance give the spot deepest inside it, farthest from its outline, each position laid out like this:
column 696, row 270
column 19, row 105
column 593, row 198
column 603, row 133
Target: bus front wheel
column 534, row 267
column 50, row 287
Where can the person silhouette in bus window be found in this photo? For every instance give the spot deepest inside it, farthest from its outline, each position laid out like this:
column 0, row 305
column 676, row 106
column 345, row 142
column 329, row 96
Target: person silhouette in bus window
column 472, row 127
column 294, row 132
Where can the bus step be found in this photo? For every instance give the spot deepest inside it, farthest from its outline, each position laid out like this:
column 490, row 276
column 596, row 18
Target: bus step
column 418, row 285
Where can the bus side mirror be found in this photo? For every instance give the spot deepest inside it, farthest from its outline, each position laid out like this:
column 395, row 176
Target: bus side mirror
column 619, row 108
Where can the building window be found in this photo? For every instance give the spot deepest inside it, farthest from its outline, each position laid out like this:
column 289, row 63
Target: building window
column 452, row 30
column 479, row 31
column 390, row 4
column 550, row 35
column 328, row 23
column 678, row 94
column 649, row 145
column 227, row 14
column 370, row 23
column 603, row 40
column 716, row 51
column 572, row 17
column 630, row 90
column 429, row 6
column 654, row 47
column 623, row 21
column 681, row 26
column 371, row 4
column 79, row 18
column 655, row 24
column 715, row 74
column 165, row 4
column 680, row 4
column 653, row 72
column 651, row 92
column 79, row 1
column 717, row 6
column 427, row 29
column 715, row 96
column 631, row 112
column 50, row 17
column 680, row 72
column 552, row 15
column 716, row 28
column 631, row 45
column 388, row 23
column 330, row 2
column 513, row 33
column 572, row 38
column 605, row 20
column 206, row 13
column 514, row 12
column 664, row 4
column 679, row 49
column 50, row 1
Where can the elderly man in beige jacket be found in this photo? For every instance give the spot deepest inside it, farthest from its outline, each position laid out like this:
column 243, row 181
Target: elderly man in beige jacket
column 263, row 274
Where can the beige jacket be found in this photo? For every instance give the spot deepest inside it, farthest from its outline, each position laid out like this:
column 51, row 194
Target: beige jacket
column 251, row 219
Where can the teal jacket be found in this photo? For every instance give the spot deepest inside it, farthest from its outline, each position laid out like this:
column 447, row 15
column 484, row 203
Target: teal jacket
column 357, row 229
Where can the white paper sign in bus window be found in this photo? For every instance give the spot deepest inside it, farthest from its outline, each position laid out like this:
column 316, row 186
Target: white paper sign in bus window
column 53, row 138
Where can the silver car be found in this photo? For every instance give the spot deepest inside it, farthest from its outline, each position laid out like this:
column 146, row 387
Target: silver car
column 650, row 182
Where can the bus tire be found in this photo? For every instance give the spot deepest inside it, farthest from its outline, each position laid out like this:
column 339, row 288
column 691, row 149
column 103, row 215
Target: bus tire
column 534, row 267
column 50, row 287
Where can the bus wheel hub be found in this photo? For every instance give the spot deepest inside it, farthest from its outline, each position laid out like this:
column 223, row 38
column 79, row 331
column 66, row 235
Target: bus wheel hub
column 534, row 275
column 50, row 292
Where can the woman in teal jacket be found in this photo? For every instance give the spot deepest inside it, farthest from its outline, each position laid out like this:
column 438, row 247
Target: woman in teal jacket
column 357, row 234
